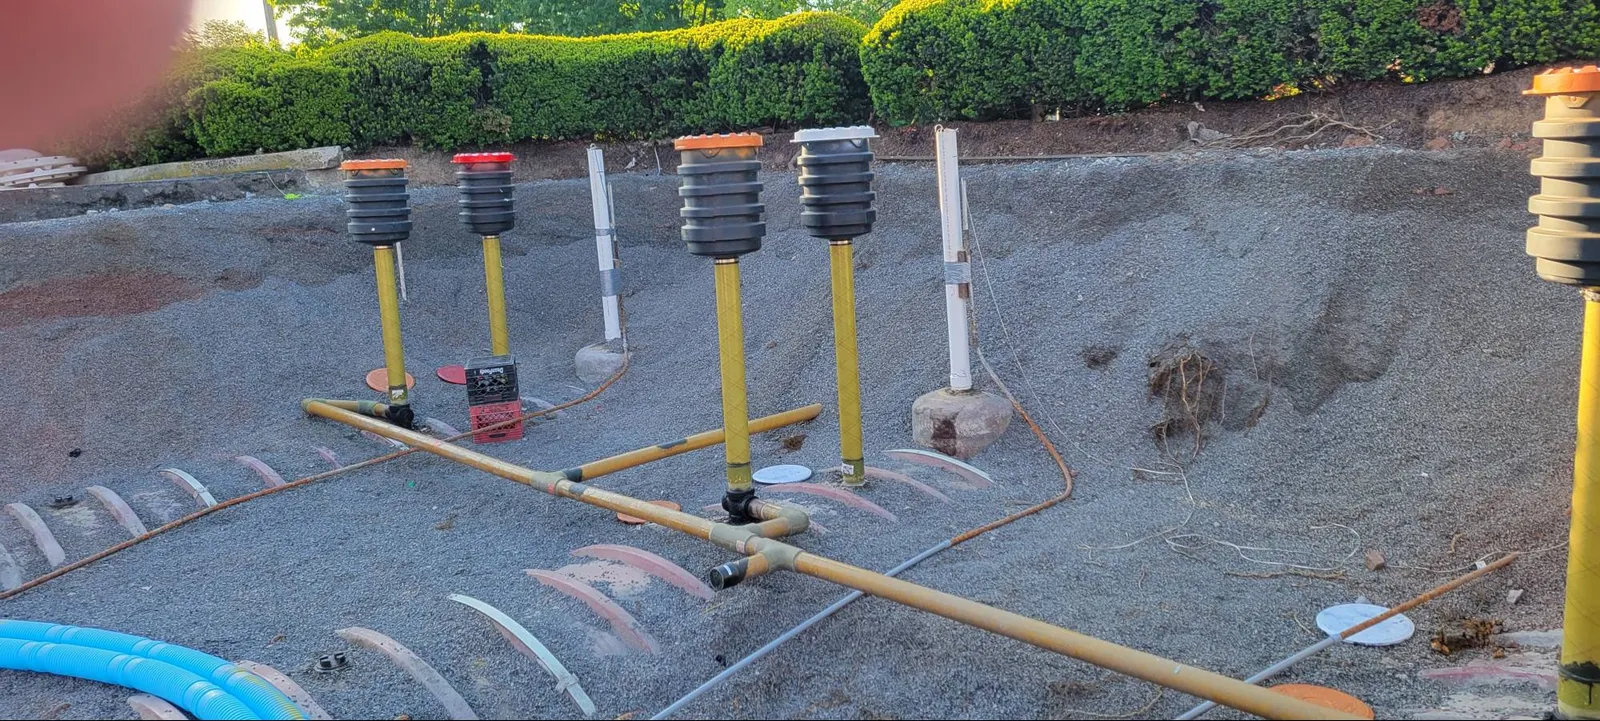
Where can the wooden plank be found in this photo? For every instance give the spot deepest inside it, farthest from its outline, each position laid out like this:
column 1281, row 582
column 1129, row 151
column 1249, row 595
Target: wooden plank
column 26, row 164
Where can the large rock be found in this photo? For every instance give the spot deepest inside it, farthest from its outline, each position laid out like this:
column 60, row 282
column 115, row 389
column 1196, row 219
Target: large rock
column 959, row 423
column 597, row 362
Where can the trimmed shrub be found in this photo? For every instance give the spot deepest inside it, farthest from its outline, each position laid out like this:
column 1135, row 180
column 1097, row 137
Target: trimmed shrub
column 289, row 105
column 930, row 60
column 1426, row 39
column 475, row 89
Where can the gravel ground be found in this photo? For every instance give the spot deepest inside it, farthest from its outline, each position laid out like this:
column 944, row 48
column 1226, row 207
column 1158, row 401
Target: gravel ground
column 1385, row 372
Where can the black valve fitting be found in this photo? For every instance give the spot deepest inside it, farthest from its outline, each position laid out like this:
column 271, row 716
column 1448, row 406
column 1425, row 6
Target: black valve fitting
column 737, row 504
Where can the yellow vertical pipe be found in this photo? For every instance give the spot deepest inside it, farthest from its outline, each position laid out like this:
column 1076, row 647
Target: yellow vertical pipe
column 394, row 356
column 730, row 343
column 1576, row 696
column 848, row 374
column 494, row 284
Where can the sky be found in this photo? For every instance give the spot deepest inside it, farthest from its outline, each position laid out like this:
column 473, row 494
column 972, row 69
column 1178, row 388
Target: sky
column 248, row 11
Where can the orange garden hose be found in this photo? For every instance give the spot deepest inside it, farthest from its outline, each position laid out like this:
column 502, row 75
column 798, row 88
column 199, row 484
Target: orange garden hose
column 208, row 510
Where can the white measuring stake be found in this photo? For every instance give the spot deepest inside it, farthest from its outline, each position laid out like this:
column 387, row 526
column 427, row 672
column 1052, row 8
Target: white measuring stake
column 605, row 238
column 957, row 272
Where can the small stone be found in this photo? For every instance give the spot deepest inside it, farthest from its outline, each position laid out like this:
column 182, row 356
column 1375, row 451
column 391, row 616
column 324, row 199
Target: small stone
column 1358, row 141
column 1441, row 190
column 1506, row 144
column 167, row 206
column 597, row 362
column 1459, row 135
column 1512, row 596
column 1437, row 144
column 1375, row 560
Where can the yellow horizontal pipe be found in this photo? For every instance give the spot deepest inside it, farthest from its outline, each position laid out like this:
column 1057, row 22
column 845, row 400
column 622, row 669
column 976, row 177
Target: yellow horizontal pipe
column 595, row 469
column 1155, row 669
column 744, row 539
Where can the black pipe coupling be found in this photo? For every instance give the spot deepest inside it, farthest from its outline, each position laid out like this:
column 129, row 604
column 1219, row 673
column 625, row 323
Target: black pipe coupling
column 401, row 416
column 721, row 194
column 836, row 181
column 737, row 504
column 733, row 573
column 728, row 574
column 376, row 200
column 484, row 182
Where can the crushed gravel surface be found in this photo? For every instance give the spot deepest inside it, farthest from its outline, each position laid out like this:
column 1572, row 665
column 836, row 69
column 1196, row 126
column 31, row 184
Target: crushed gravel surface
column 1383, row 371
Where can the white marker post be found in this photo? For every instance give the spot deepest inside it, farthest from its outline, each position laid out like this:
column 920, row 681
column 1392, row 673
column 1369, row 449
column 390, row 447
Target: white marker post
column 599, row 361
column 957, row 273
column 957, row 421
column 605, row 242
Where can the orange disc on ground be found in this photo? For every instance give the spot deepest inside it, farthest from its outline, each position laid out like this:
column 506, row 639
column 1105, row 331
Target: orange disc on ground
column 636, row 521
column 1327, row 698
column 454, row 374
column 378, row 380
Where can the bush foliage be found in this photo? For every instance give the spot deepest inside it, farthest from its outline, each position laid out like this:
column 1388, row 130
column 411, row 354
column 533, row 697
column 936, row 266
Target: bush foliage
column 481, row 88
column 983, row 59
column 926, row 60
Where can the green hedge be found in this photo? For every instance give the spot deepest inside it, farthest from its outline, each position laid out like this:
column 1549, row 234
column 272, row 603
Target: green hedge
column 984, row 59
column 480, row 88
column 926, row 60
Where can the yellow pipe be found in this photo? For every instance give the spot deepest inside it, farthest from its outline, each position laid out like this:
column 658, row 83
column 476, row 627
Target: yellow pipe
column 1171, row 674
column 595, row 469
column 848, row 375
column 394, row 356
column 1576, row 696
column 494, row 284
column 730, row 343
column 747, row 541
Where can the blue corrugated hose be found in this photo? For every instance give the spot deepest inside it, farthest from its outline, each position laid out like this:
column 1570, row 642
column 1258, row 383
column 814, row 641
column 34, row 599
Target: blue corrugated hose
column 252, row 695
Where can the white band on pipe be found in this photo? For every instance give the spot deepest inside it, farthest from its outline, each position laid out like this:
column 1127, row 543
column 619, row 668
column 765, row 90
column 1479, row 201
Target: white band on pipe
column 605, row 231
column 957, row 273
column 610, row 282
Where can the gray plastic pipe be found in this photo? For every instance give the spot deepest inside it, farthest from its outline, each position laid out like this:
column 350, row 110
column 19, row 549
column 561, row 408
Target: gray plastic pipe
column 1269, row 672
column 791, row 633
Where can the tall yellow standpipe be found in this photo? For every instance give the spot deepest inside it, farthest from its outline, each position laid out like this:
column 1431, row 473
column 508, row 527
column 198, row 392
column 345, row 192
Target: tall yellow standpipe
column 722, row 220
column 494, row 284
column 483, row 181
column 1566, row 243
column 853, row 469
column 836, row 205
column 1580, row 642
column 378, row 208
column 394, row 354
column 730, row 347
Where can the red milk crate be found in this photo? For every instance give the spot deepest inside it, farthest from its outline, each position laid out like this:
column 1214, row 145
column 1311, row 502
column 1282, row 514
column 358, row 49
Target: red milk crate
column 489, row 414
